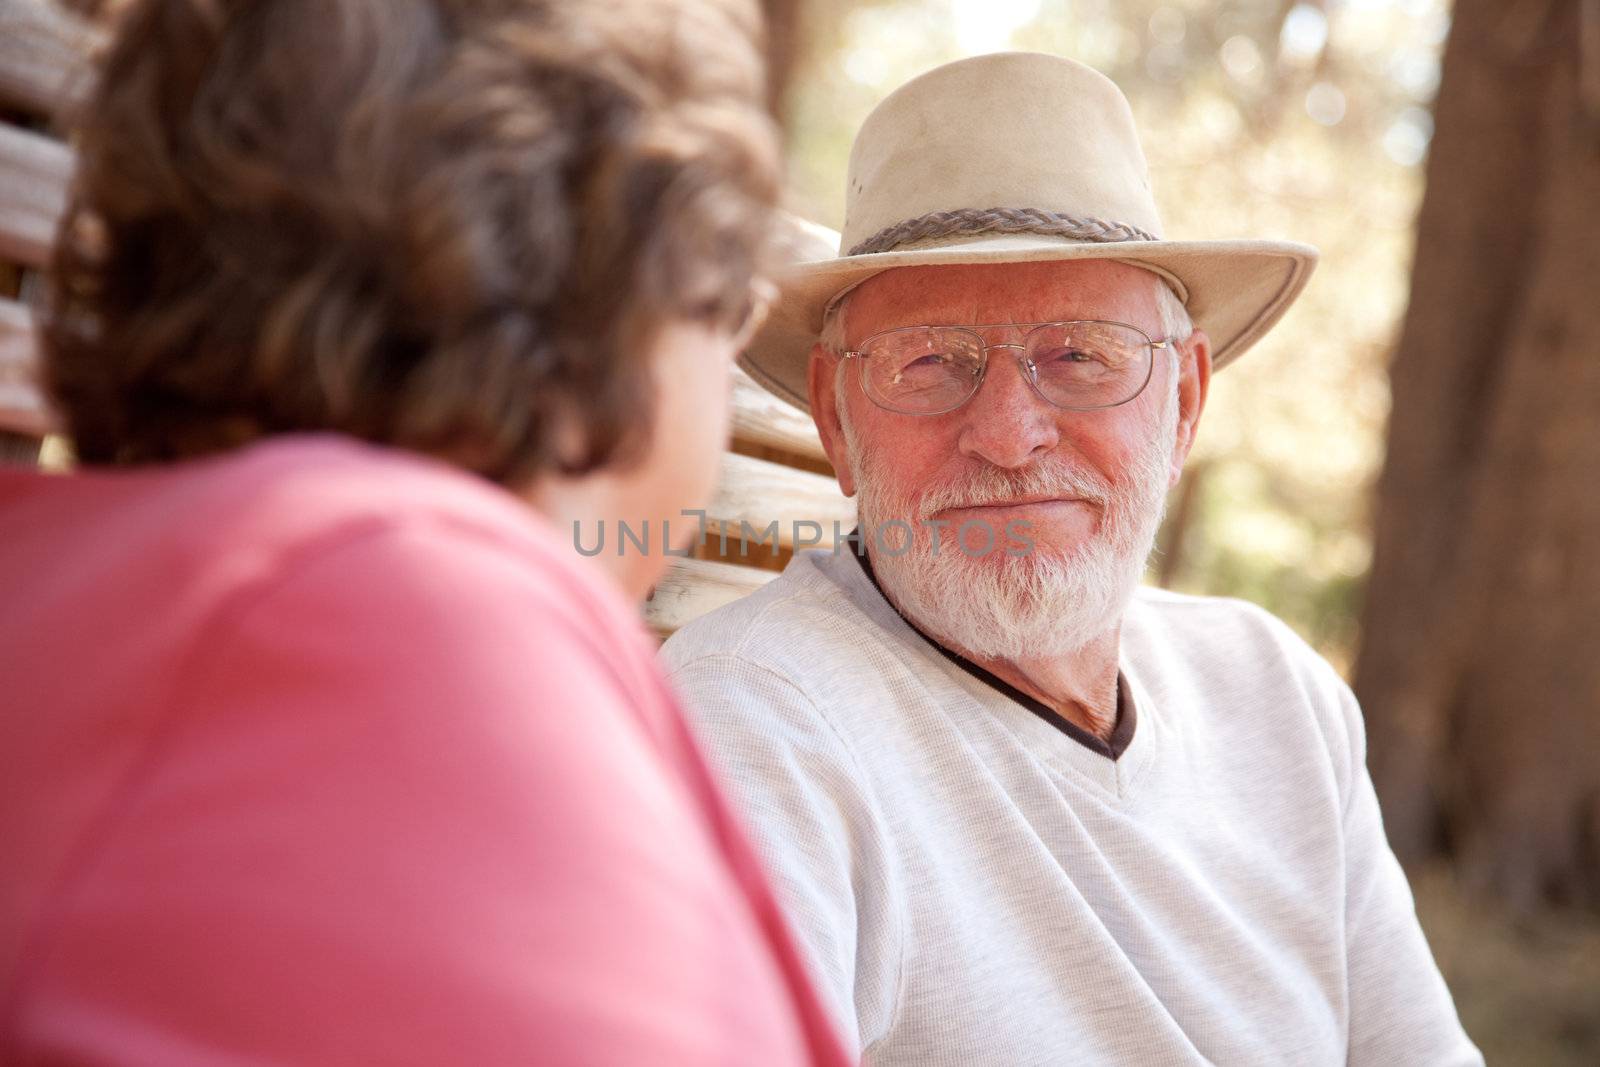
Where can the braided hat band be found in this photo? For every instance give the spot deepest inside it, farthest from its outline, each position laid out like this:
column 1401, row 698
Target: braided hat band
column 969, row 222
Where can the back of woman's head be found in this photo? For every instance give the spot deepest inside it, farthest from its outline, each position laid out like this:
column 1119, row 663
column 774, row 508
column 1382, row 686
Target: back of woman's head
column 445, row 225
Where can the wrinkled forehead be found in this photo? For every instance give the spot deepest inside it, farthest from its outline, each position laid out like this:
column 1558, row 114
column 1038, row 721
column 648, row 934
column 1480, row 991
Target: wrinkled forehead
column 1003, row 292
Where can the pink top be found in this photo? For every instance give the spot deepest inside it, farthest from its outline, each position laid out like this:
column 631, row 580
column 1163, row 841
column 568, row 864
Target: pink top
column 319, row 753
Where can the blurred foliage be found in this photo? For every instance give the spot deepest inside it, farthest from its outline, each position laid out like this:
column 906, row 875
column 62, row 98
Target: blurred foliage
column 1301, row 120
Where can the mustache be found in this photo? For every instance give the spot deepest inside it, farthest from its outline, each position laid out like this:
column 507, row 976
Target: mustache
column 997, row 485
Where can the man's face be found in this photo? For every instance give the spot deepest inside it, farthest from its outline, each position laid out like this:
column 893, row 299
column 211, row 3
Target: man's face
column 1084, row 488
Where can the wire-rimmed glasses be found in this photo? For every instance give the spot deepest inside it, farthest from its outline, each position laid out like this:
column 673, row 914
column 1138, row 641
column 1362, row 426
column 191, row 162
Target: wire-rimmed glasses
column 1081, row 365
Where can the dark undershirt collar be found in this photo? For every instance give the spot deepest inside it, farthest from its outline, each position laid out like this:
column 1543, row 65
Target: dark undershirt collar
column 1111, row 748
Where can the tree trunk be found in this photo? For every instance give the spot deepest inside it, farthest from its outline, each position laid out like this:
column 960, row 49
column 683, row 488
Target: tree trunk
column 1480, row 664
column 782, row 18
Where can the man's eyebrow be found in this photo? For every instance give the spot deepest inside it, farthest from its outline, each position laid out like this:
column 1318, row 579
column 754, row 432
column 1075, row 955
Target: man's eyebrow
column 928, row 316
column 902, row 321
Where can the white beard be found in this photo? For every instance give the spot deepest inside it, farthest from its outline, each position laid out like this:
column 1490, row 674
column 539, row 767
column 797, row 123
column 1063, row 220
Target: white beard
column 1000, row 606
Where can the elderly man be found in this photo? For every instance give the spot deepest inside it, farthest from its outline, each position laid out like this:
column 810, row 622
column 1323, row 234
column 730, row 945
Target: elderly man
column 1022, row 811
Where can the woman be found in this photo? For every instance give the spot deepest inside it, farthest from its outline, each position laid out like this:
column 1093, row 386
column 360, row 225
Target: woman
column 319, row 745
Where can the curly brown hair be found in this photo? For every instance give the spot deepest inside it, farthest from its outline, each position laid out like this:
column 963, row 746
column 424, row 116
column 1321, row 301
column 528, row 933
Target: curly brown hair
column 444, row 225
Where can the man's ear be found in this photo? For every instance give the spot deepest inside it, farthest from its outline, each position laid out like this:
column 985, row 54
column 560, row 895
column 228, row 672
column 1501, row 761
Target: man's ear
column 1194, row 381
column 825, row 413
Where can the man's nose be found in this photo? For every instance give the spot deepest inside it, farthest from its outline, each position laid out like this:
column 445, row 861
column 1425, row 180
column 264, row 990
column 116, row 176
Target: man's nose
column 1006, row 423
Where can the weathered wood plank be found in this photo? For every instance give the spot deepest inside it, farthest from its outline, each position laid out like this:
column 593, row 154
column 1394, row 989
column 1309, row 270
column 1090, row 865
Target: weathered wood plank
column 762, row 419
column 753, row 493
column 44, row 57
column 692, row 587
column 34, row 173
column 22, row 407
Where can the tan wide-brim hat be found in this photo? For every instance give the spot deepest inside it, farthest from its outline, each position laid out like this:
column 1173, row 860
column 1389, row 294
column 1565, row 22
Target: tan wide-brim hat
column 1014, row 157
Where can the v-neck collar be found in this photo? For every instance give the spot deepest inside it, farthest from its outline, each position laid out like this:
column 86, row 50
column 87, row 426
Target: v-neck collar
column 1111, row 748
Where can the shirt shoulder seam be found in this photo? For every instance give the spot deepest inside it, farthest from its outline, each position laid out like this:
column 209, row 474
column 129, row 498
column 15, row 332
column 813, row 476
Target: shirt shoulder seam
column 757, row 613
column 856, row 768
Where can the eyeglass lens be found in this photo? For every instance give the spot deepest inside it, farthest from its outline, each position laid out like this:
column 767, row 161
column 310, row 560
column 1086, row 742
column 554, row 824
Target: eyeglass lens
column 933, row 369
